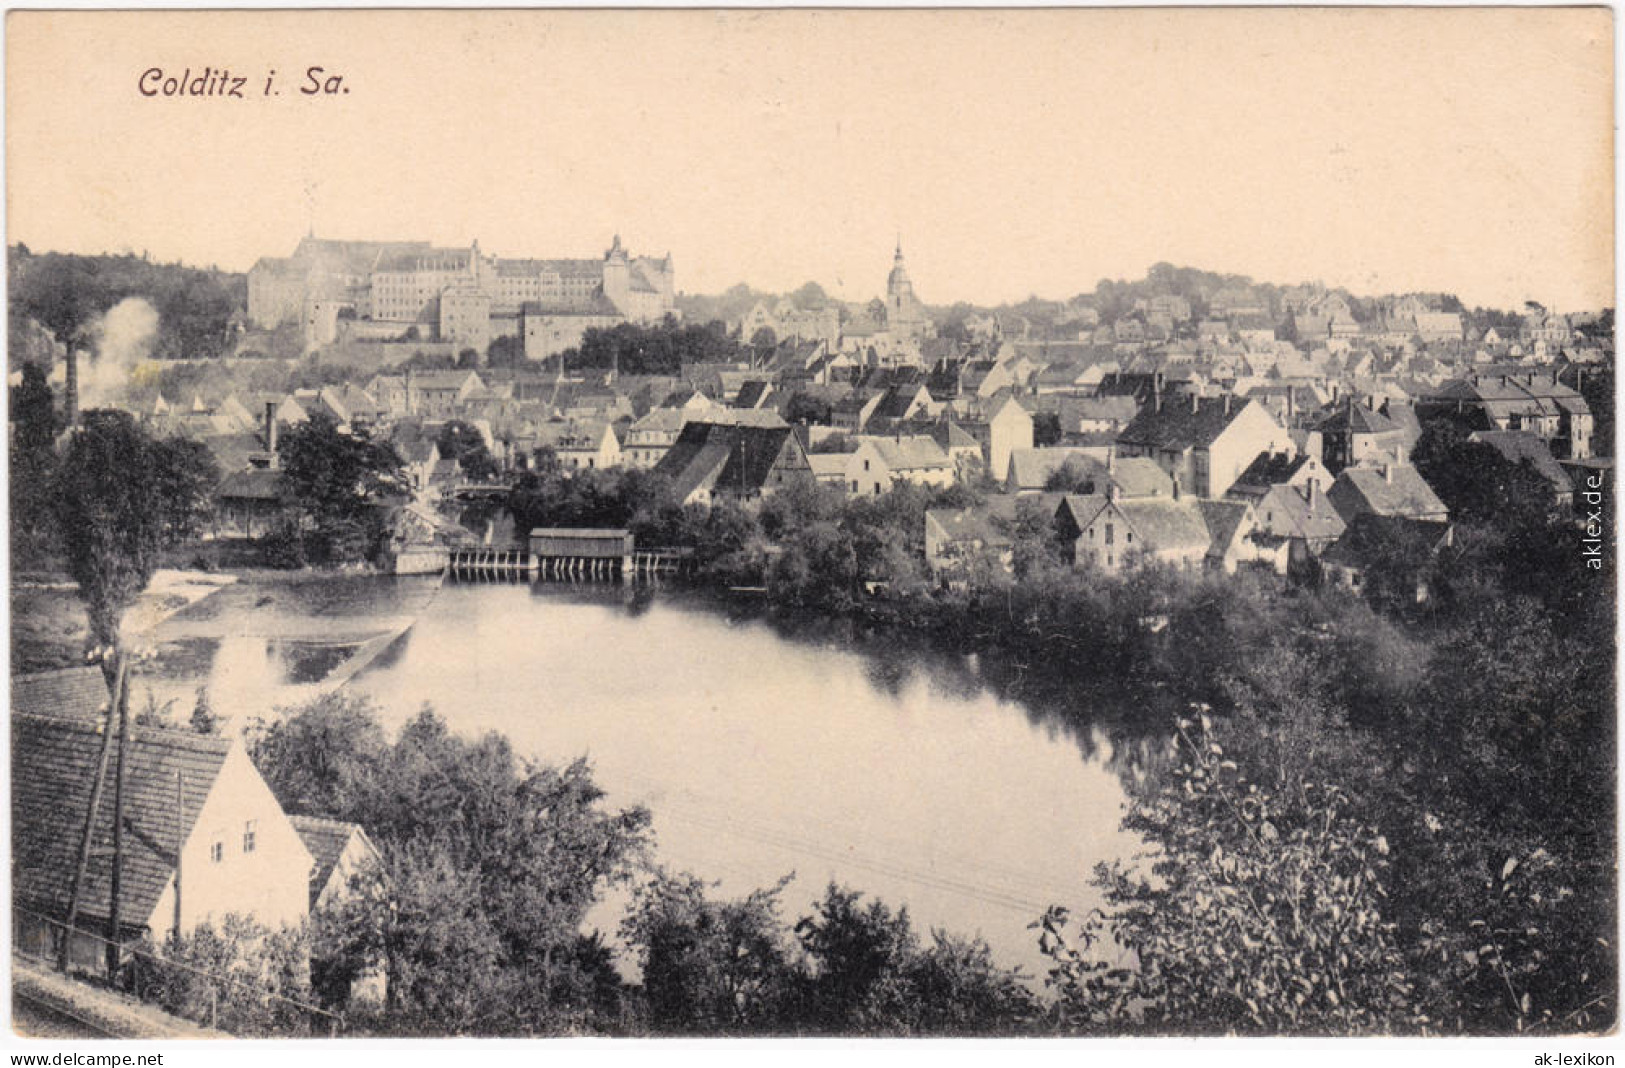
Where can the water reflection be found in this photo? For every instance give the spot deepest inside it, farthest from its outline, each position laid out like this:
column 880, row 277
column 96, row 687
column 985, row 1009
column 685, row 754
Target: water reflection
column 762, row 743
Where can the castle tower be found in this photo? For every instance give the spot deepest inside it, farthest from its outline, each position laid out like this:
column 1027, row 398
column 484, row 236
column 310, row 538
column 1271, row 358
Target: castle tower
column 617, row 277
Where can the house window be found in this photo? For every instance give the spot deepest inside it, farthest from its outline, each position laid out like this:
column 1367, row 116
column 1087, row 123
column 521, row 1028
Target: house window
column 1128, row 537
column 1110, row 533
column 866, row 465
column 217, row 851
column 249, row 830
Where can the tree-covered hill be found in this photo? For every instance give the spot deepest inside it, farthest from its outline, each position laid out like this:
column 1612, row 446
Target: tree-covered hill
column 66, row 294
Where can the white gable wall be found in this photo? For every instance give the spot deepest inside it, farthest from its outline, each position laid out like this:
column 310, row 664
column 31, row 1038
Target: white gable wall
column 271, row 882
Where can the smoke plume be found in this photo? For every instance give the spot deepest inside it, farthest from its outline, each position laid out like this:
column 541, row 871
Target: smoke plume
column 122, row 338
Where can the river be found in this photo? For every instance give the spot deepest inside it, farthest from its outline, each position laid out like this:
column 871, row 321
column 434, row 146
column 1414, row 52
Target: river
column 760, row 750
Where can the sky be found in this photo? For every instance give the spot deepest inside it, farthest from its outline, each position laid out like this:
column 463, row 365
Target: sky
column 1013, row 152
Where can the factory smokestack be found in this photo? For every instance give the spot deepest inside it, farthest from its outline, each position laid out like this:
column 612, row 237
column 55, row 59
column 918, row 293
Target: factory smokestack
column 270, row 430
column 70, row 396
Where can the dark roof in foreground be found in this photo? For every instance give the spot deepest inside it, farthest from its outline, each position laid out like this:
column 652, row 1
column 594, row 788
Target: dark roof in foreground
column 741, row 456
column 326, row 840
column 53, row 766
column 77, row 693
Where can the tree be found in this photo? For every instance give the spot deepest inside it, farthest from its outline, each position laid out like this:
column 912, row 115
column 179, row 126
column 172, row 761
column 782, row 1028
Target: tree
column 33, row 464
column 810, row 297
column 322, row 759
column 1046, row 429
column 237, row 976
column 764, row 341
column 203, row 719
column 33, row 413
column 334, row 487
column 866, row 973
column 492, row 862
column 1073, row 476
column 122, row 498
column 710, row 967
column 506, row 351
column 1261, row 912
column 464, row 443
column 806, row 408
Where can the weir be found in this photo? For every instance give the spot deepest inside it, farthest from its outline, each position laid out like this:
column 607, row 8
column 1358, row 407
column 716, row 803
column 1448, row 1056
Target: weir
column 487, row 563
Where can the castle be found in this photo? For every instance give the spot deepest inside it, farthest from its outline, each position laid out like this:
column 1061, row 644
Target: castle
column 456, row 295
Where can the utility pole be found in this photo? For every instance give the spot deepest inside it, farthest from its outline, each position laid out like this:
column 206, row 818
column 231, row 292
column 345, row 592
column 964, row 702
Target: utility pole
column 180, row 840
column 76, row 886
column 113, row 917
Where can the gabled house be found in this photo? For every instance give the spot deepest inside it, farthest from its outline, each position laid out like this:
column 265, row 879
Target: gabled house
column 880, row 463
column 1539, row 403
column 964, row 450
column 648, row 439
column 1394, row 553
column 1230, row 525
column 248, row 502
column 1292, row 518
column 203, row 835
column 1106, row 532
column 1519, row 446
column 339, row 852
column 852, row 412
column 1031, row 469
column 582, row 446
column 1202, row 443
column 1358, row 433
column 715, row 461
column 957, row 539
column 1009, row 426
column 1386, row 489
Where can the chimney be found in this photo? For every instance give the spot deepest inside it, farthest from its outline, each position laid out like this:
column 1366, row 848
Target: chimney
column 70, row 396
column 410, row 407
column 1111, row 459
column 270, row 429
column 1314, row 492
column 1387, row 472
column 1371, row 402
column 1292, row 405
column 1176, row 486
column 1227, row 403
column 1193, row 403
column 1111, row 491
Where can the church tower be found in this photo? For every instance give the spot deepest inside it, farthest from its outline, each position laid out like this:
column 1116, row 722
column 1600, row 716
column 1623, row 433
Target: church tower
column 904, row 312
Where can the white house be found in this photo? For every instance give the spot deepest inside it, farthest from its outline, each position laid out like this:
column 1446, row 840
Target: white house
column 204, row 837
column 880, row 463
